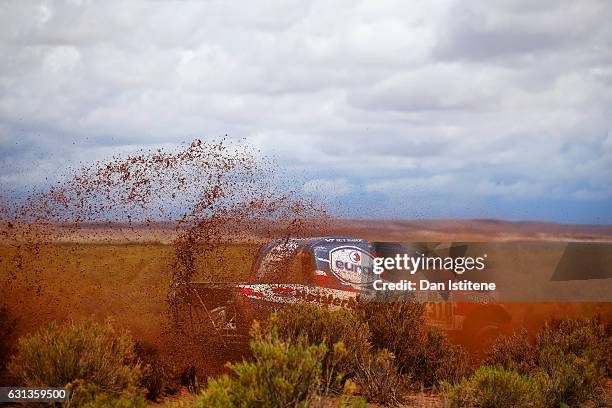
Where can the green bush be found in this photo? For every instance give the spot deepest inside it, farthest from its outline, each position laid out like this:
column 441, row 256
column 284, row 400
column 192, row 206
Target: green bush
column 88, row 395
column 87, row 351
column 566, row 378
column 348, row 398
column 588, row 338
column 379, row 380
column 282, row 374
column 569, row 359
column 344, row 334
column 228, row 392
column 513, row 353
column 352, row 402
column 493, row 387
column 573, row 360
column 421, row 352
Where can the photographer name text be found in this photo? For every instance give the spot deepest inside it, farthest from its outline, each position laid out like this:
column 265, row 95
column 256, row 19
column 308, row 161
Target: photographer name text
column 425, row 285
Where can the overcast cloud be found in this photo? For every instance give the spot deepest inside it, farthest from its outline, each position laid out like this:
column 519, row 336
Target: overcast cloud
column 392, row 109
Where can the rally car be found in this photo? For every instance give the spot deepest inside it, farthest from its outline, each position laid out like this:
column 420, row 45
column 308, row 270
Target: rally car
column 331, row 272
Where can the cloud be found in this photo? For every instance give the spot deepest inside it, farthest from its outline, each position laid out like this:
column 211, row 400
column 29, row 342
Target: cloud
column 435, row 87
column 506, row 100
column 328, row 187
column 481, row 30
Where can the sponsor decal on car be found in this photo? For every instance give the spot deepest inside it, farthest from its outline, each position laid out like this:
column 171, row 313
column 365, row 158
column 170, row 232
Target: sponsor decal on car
column 352, row 265
column 296, row 293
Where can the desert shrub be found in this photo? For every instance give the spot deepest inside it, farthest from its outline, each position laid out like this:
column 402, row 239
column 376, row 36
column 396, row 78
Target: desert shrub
column 588, row 338
column 155, row 376
column 344, row 334
column 87, row 351
column 566, row 378
column 89, row 395
column 282, row 374
column 602, row 397
column 439, row 360
column 493, row 387
column 568, row 361
column 8, row 324
column 348, row 398
column 188, row 378
column 393, row 324
column 379, row 380
column 352, row 402
column 513, row 353
column 228, row 392
column 422, row 353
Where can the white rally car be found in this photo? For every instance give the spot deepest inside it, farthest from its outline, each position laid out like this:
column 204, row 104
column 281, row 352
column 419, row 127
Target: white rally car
column 328, row 271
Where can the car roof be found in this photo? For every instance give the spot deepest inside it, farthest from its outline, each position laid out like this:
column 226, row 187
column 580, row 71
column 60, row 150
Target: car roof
column 283, row 250
column 297, row 244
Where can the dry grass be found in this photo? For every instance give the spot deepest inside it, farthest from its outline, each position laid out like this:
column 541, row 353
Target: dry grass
column 126, row 282
column 80, row 353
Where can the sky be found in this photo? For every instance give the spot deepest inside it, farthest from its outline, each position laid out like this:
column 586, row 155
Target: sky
column 386, row 109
